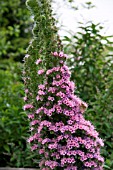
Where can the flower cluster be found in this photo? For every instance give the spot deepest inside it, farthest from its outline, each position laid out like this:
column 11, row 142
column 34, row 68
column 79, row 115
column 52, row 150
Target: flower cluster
column 62, row 135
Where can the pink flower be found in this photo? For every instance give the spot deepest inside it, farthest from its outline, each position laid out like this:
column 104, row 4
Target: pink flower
column 60, row 94
column 40, row 72
column 39, row 110
column 26, row 91
column 34, row 147
column 41, row 86
column 37, row 98
column 27, row 56
column 38, row 61
column 61, row 54
column 52, row 89
column 30, row 139
column 51, row 164
column 87, row 164
column 48, row 72
column 31, row 116
column 100, row 141
column 34, row 122
column 46, row 140
column 25, row 98
column 41, row 151
column 57, row 76
column 61, row 61
column 28, row 106
column 55, row 53
column 70, row 122
column 40, row 92
column 51, row 98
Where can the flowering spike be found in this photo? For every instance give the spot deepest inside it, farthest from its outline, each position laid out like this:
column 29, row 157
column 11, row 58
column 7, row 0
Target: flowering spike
column 60, row 132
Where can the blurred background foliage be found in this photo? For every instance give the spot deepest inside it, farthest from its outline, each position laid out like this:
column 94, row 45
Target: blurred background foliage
column 14, row 125
column 15, row 29
column 91, row 64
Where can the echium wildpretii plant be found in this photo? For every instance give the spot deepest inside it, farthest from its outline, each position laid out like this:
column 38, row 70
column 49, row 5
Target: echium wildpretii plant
column 59, row 131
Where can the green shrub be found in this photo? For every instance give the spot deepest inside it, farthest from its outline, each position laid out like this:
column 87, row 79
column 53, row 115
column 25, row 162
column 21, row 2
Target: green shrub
column 14, row 125
column 91, row 67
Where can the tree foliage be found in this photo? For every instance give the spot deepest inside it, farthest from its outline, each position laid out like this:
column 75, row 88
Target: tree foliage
column 15, row 29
